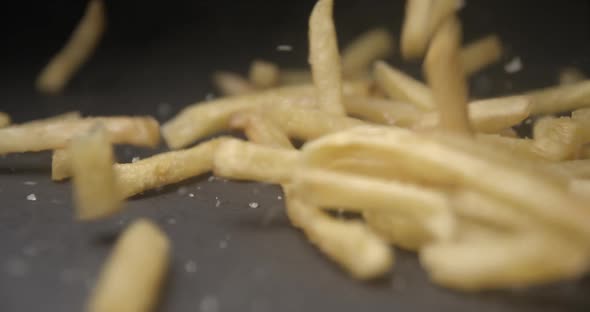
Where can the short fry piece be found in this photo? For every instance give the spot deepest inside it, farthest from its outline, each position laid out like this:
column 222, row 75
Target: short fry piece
column 480, row 54
column 261, row 130
column 325, row 58
column 76, row 51
column 229, row 83
column 263, row 74
column 241, row 160
column 358, row 56
column 4, row 120
column 444, row 72
column 401, row 231
column 557, row 138
column 95, row 186
column 133, row 274
column 399, row 86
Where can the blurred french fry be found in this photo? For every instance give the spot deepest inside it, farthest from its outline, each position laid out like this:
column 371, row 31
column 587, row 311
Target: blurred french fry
column 487, row 116
column 229, row 83
column 73, row 115
column 579, row 169
column 307, row 124
column 359, row 55
column 517, row 261
column 166, row 168
column 582, row 118
column 560, row 99
column 61, row 164
column 242, row 160
column 580, row 187
column 399, row 86
column 520, row 148
column 76, row 51
column 263, row 74
column 480, row 54
column 4, row 119
column 325, row 58
column 382, row 111
column 329, row 189
column 400, row 231
column 446, row 78
column 55, row 134
column 415, row 28
column 95, row 186
column 131, row 278
column 571, row 75
column 358, row 250
column 261, row 130
column 557, row 138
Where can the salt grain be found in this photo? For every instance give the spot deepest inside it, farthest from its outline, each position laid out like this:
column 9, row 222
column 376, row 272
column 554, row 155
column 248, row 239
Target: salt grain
column 253, row 205
column 209, row 96
column 190, row 266
column 191, row 195
column 217, row 202
column 182, row 191
column 171, row 221
column 284, row 48
column 135, row 159
column 31, row 183
column 164, row 110
column 211, row 179
column 209, row 304
column 279, row 197
column 32, row 197
column 514, row 66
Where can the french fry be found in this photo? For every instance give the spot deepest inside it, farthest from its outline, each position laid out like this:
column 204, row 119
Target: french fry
column 382, row 111
column 229, row 83
column 415, row 28
column 131, row 278
column 520, row 148
column 166, row 168
column 582, row 119
column 480, row 54
column 358, row 250
column 61, row 165
column 73, row 115
column 399, row 86
column 571, row 75
column 401, row 231
column 560, row 99
column 487, row 116
column 76, row 51
column 264, row 74
column 444, row 71
column 241, row 160
column 261, row 130
column 359, row 55
column 4, row 119
column 557, row 138
column 517, row 261
column 55, row 134
column 579, row 169
column 328, row 189
column 325, row 58
column 95, row 187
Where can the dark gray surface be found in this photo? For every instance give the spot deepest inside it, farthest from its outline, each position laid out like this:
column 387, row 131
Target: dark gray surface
column 246, row 259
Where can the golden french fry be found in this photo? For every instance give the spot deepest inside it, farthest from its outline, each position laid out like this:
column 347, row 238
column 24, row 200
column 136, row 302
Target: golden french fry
column 358, row 250
column 241, row 160
column 73, row 115
column 399, row 86
column 480, row 54
column 444, row 71
column 166, row 168
column 95, row 187
column 61, row 165
column 330, row 189
column 264, row 74
column 133, row 274
column 4, row 119
column 579, row 169
column 560, row 99
column 513, row 261
column 55, row 134
column 76, row 51
column 229, row 83
column 401, row 231
column 359, row 55
column 440, row 11
column 415, row 36
column 580, row 187
column 488, row 116
column 325, row 59
column 382, row 111
column 261, row 130
column 520, row 148
column 557, row 138
column 571, row 75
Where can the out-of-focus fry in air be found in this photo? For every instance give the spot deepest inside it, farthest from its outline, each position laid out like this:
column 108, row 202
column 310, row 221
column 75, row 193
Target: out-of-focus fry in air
column 382, row 111
column 133, row 274
column 325, row 58
column 263, row 74
column 571, row 75
column 440, row 11
column 524, row 260
column 444, row 71
column 166, row 168
column 415, row 36
column 261, row 130
column 96, row 190
column 229, row 83
column 561, row 98
column 242, row 160
column 399, row 86
column 480, row 54
column 76, row 51
column 55, row 134
column 359, row 55
column 401, row 231
column 4, row 119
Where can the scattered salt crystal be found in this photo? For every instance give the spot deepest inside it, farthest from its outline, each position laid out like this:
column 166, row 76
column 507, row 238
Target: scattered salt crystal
column 514, row 66
column 209, row 96
column 284, row 48
column 31, row 183
column 16, row 267
column 209, row 304
column 164, row 110
column 198, row 188
column 211, row 179
column 528, row 121
column 135, row 159
column 190, row 266
column 191, row 195
column 222, row 244
column 217, row 202
column 253, row 205
column 32, row 197
column 279, row 197
column 171, row 221
column 182, row 190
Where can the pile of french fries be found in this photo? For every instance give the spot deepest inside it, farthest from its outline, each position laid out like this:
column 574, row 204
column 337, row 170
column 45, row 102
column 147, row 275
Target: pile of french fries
column 423, row 165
